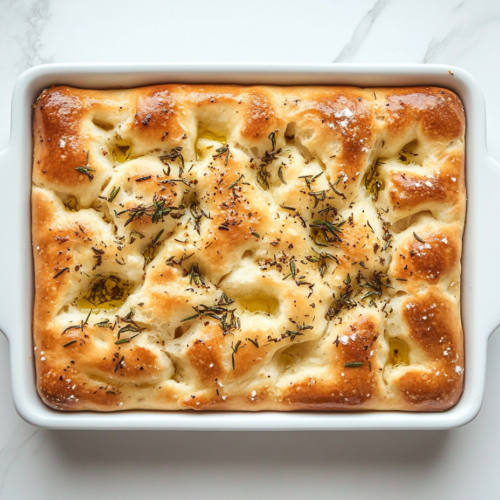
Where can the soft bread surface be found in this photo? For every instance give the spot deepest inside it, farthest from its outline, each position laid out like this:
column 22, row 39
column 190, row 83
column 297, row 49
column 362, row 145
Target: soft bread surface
column 248, row 248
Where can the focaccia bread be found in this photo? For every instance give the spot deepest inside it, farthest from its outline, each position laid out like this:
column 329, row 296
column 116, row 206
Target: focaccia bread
column 215, row 247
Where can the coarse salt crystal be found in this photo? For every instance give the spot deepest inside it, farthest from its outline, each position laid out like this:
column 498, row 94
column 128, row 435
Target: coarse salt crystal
column 224, row 398
column 344, row 339
column 254, row 393
column 445, row 241
column 62, row 143
column 345, row 112
column 211, row 365
column 453, row 179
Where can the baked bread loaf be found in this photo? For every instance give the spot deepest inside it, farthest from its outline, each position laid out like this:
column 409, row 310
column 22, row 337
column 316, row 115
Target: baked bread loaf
column 216, row 247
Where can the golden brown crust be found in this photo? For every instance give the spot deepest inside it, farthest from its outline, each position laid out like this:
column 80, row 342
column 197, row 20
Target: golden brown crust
column 254, row 248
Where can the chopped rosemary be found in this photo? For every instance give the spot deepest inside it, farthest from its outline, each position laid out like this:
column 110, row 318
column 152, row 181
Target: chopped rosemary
column 345, row 301
column 254, row 233
column 235, row 350
column 228, row 320
column 156, row 211
column 254, row 342
column 332, row 186
column 98, row 253
column 236, row 181
column 60, row 272
column 173, row 155
column 103, row 324
column 222, row 150
column 263, row 175
column 280, row 174
column 126, row 340
column 291, row 334
column 85, row 169
column 293, row 269
column 120, row 363
column 157, row 237
column 133, row 234
column 353, row 364
column 375, row 285
column 171, row 261
column 318, row 196
column 329, row 228
column 310, row 179
column 114, row 192
column 196, row 276
column 299, row 326
column 197, row 213
column 131, row 327
column 69, row 343
column 72, row 327
column 225, row 300
column 417, row 237
column 321, row 258
column 86, row 319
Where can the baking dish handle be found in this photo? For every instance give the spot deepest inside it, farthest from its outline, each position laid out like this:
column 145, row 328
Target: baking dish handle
column 4, row 289
column 485, row 256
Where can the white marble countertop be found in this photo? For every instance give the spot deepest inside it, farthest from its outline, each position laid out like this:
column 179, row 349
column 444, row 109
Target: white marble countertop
column 458, row 464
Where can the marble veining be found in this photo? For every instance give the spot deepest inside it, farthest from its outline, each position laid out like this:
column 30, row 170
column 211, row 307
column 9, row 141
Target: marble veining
column 362, row 29
column 37, row 15
column 468, row 25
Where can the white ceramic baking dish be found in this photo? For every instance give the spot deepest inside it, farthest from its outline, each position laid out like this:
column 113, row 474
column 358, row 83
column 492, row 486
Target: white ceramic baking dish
column 481, row 262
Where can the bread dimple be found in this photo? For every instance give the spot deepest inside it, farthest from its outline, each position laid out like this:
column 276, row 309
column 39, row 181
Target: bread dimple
column 248, row 248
